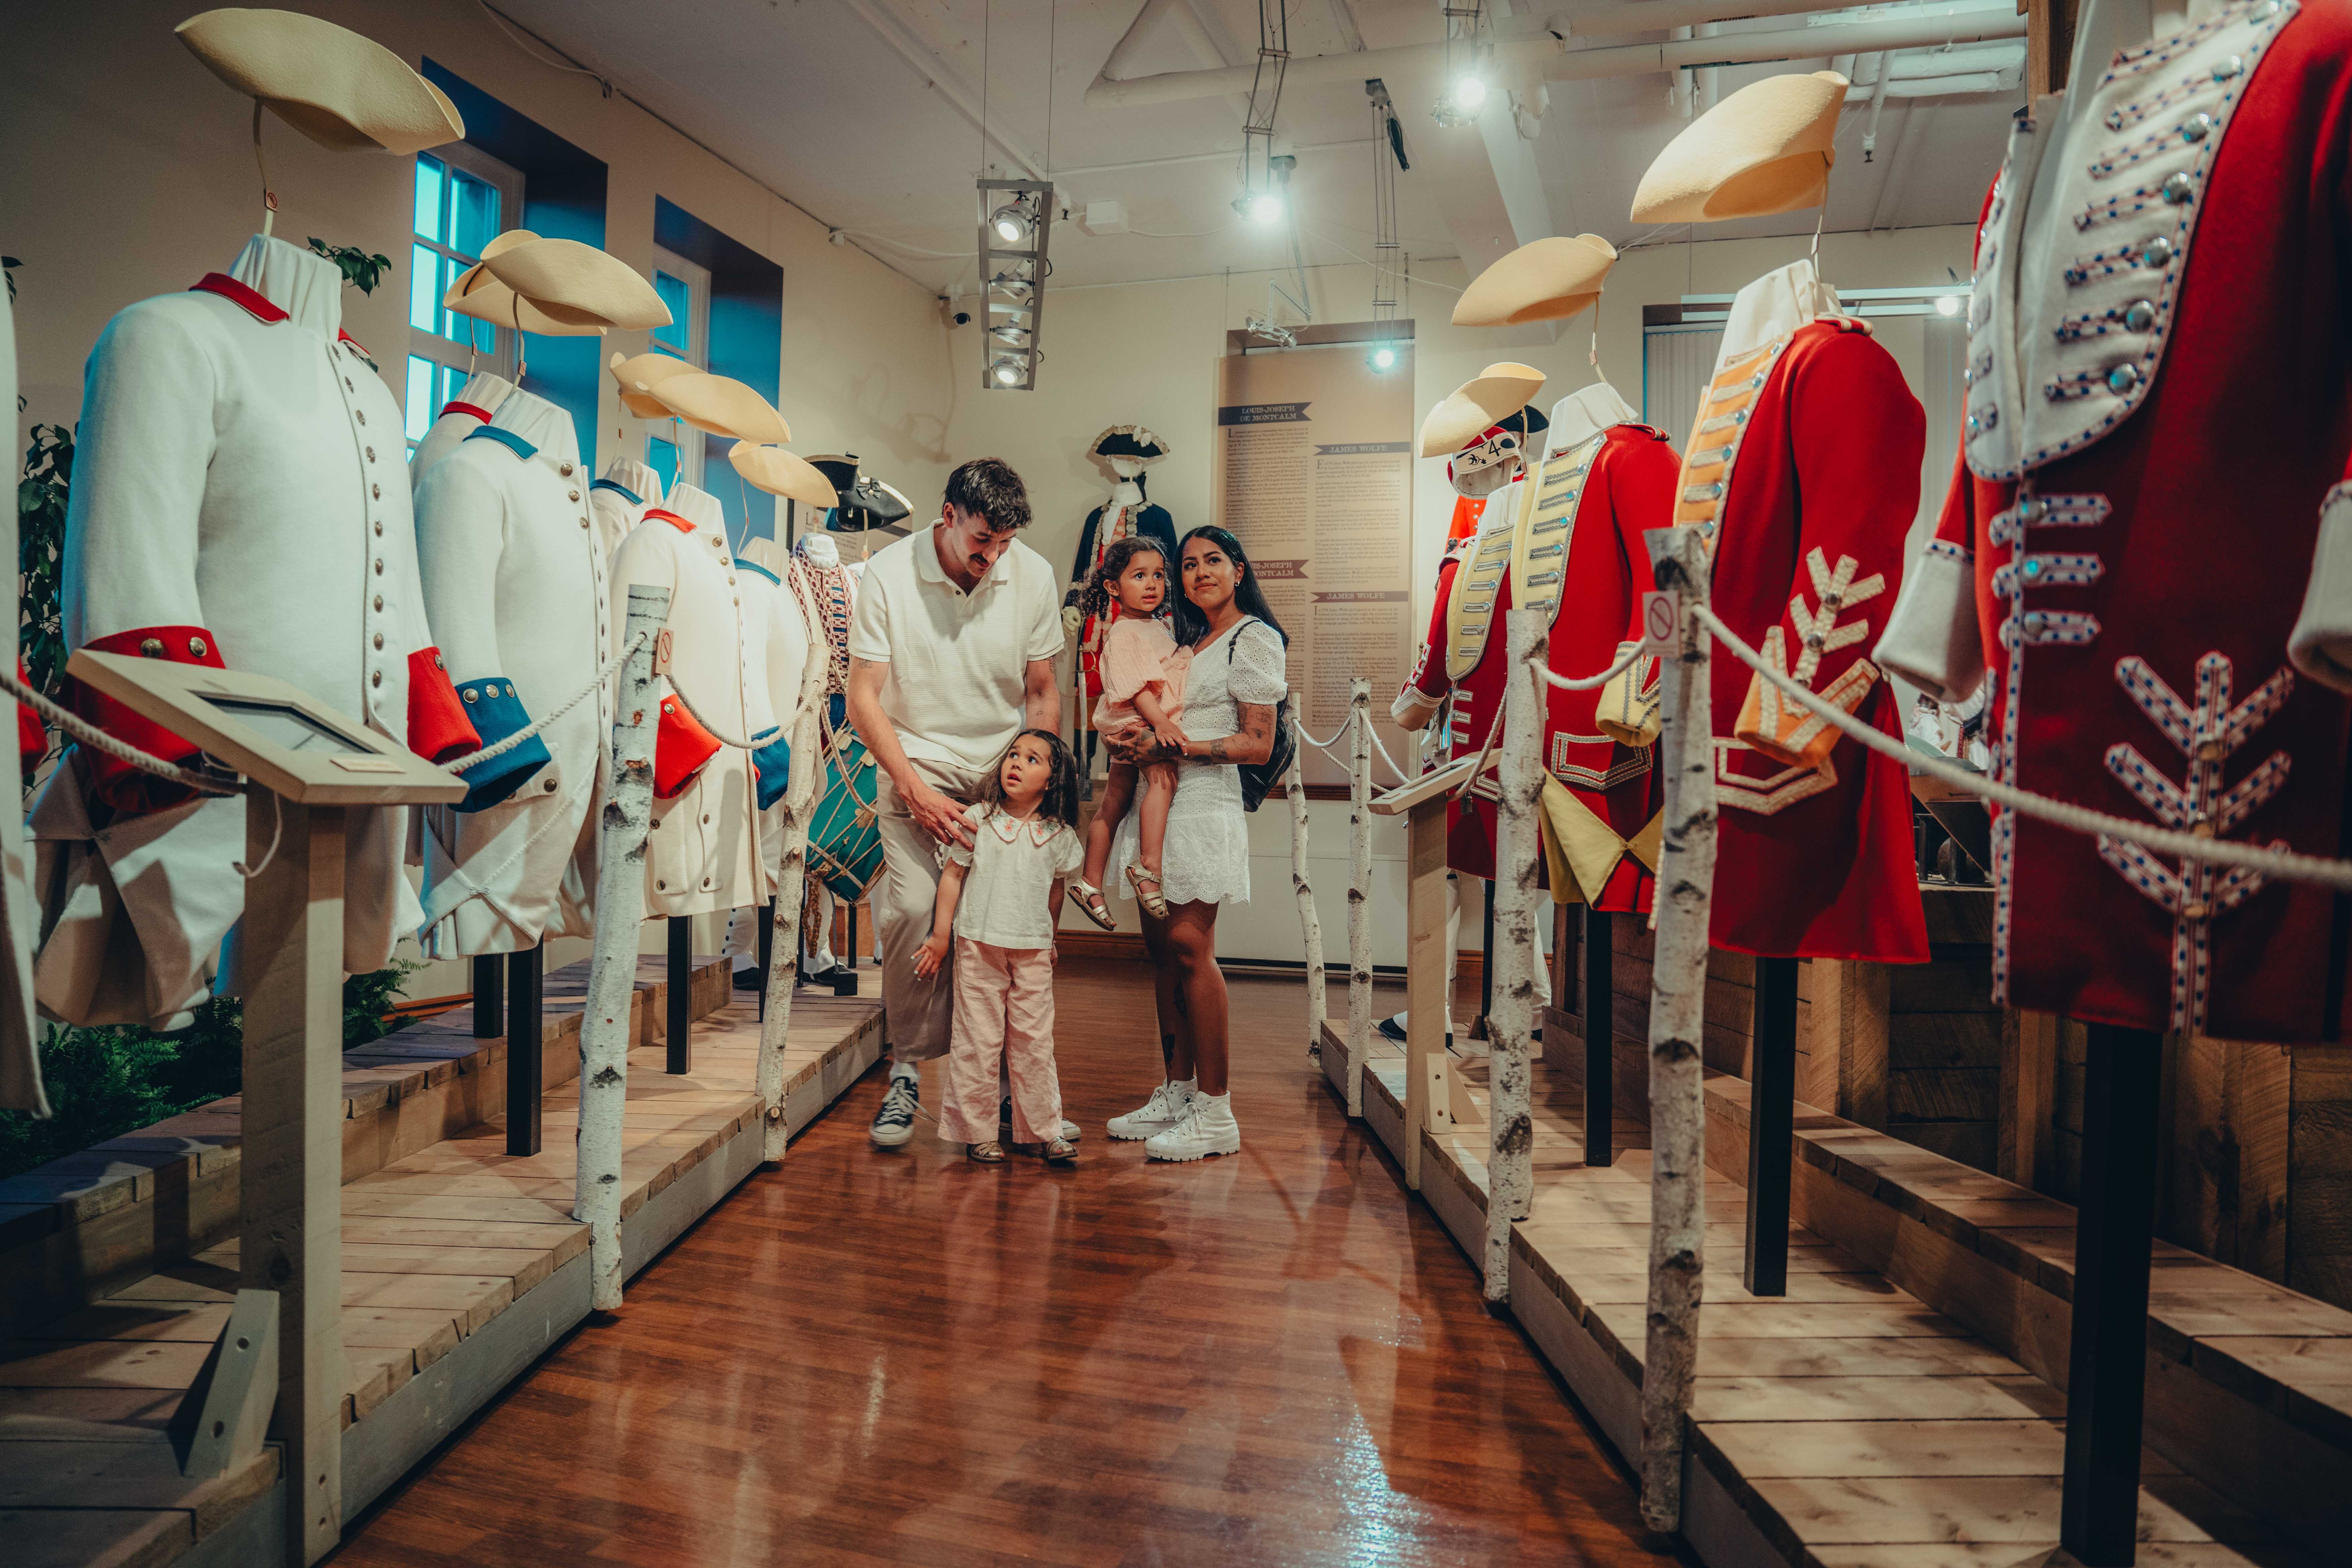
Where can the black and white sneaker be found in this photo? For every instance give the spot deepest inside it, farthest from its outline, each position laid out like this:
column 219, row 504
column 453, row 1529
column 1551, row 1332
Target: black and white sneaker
column 894, row 1124
column 1071, row 1131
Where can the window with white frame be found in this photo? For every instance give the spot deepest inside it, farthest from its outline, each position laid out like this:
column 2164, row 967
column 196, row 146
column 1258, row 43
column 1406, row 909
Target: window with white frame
column 673, row 448
column 464, row 198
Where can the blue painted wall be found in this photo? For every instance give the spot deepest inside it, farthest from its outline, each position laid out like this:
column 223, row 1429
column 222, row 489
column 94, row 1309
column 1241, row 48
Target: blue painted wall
column 747, row 331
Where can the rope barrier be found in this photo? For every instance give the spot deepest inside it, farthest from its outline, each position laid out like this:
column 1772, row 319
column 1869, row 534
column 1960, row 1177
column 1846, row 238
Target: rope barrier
column 1336, row 734
column 475, row 759
column 753, row 744
column 1402, row 776
column 1587, row 682
column 1493, row 733
column 204, row 780
column 2280, row 863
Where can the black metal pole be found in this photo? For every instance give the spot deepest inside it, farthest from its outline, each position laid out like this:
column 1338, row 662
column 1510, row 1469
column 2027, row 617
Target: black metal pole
column 681, row 993
column 1599, row 1042
column 525, row 1067
column 1772, row 1116
column 489, row 995
column 2115, row 1229
column 1486, row 967
column 767, row 942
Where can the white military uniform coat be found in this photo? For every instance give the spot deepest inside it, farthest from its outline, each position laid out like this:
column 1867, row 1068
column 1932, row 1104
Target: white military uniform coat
column 238, row 499
column 514, row 576
column 618, row 500
column 458, row 418
column 703, row 851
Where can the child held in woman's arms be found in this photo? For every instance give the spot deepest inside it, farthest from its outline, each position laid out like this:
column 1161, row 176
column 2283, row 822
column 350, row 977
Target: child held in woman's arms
column 1142, row 688
column 996, row 905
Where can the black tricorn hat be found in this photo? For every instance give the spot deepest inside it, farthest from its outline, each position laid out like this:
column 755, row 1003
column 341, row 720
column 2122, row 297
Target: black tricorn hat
column 865, row 503
column 1130, row 441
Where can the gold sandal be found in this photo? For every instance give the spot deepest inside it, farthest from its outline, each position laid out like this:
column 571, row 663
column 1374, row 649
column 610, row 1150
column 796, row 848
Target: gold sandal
column 990, row 1153
column 1060, row 1152
column 1092, row 904
column 1156, row 901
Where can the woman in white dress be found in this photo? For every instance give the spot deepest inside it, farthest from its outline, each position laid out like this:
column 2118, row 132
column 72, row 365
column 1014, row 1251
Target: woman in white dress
column 1237, row 676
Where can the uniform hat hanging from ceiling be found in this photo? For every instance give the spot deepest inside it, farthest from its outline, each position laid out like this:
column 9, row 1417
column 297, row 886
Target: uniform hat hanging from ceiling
column 1766, row 149
column 1547, row 280
column 718, row 404
column 340, row 89
column 1478, row 405
column 782, row 473
column 866, row 502
column 638, row 375
column 558, row 287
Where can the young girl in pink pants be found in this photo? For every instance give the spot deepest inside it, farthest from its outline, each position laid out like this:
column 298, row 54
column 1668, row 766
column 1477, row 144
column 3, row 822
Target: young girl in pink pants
column 996, row 906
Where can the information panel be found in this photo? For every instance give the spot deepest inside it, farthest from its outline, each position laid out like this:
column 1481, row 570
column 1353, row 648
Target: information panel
column 1315, row 477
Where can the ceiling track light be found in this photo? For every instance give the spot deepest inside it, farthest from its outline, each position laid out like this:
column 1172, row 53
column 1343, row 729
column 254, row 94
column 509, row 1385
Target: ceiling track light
column 1015, row 227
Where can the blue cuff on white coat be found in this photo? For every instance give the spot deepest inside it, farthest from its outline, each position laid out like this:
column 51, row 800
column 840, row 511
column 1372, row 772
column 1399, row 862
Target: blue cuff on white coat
column 772, row 765
column 497, row 711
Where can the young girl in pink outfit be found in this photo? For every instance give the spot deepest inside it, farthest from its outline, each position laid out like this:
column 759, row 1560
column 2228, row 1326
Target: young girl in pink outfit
column 1144, row 675
column 996, row 906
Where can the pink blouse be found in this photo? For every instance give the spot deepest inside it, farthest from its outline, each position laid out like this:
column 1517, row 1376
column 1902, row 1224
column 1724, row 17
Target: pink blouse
column 1139, row 654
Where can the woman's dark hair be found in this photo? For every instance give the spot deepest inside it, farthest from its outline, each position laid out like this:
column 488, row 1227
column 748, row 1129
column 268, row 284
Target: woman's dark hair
column 1192, row 626
column 1101, row 586
column 1060, row 800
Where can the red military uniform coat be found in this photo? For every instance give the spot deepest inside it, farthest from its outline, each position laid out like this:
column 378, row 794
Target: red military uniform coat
column 1804, row 460
column 2153, row 452
column 1569, row 532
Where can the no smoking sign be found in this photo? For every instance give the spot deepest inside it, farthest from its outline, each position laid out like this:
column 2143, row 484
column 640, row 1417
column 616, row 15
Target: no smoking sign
column 1662, row 619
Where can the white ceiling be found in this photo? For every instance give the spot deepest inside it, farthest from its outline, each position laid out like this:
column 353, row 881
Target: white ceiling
column 808, row 97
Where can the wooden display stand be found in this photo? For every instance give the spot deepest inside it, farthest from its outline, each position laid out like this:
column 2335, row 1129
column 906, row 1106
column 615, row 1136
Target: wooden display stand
column 1430, row 1092
column 305, row 763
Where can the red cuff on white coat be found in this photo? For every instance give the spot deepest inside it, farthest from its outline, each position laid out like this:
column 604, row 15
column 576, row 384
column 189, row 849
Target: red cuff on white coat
column 32, row 741
column 681, row 748
column 127, row 789
column 438, row 728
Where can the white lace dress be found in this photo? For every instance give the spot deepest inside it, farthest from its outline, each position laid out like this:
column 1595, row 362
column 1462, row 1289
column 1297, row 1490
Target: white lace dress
column 1206, row 857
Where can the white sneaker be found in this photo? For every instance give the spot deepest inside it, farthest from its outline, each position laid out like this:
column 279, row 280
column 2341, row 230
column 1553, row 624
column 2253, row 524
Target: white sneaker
column 1208, row 1128
column 1161, row 1112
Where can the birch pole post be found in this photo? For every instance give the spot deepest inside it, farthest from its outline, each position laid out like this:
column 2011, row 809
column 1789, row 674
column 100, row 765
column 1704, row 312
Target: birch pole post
column 791, row 875
column 1359, row 890
column 612, row 969
column 1677, row 1020
column 1310, row 924
column 1510, row 1165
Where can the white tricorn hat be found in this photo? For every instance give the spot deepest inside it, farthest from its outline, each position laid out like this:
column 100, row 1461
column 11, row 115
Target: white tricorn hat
column 567, row 279
column 340, row 89
column 477, row 293
column 1544, row 281
column 639, row 374
column 781, row 473
column 1478, row 405
column 720, row 404
column 1766, row 149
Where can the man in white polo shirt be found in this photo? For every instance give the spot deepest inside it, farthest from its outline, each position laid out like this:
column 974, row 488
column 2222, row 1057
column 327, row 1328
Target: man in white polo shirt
column 951, row 653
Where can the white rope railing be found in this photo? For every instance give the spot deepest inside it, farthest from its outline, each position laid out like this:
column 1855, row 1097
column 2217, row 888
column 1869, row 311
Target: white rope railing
column 204, row 780
column 1337, row 735
column 2280, row 863
column 1588, row 682
column 753, row 744
column 475, row 759
column 1374, row 731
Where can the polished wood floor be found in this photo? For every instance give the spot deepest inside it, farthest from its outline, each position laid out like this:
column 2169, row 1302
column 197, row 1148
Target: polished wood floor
column 901, row 1357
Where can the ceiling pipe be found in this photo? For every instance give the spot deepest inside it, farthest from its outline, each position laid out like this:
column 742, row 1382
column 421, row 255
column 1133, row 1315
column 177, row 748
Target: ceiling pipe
column 1938, row 86
column 1923, row 29
column 945, row 80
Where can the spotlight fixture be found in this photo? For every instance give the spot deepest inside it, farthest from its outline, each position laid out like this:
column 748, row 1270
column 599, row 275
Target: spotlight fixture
column 1016, row 224
column 1264, row 207
column 1469, row 94
column 1382, row 358
column 1948, row 304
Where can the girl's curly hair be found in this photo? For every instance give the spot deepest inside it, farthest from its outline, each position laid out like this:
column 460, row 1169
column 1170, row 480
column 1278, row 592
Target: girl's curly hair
column 1101, row 583
column 1060, row 802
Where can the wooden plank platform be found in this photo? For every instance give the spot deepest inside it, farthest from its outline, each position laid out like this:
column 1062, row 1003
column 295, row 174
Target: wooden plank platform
column 1851, row 1422
column 460, row 1265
